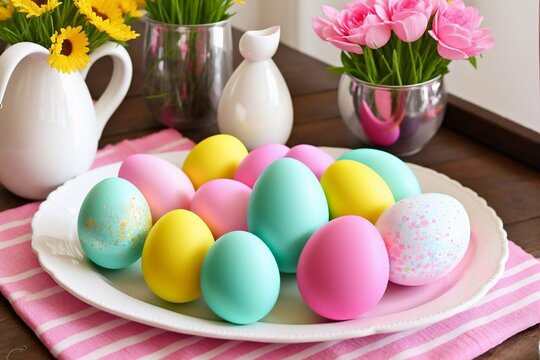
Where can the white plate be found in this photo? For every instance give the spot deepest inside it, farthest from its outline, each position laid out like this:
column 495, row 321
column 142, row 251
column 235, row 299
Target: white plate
column 125, row 294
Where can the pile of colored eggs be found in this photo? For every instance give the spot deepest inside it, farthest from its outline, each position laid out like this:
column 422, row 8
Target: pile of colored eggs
column 228, row 222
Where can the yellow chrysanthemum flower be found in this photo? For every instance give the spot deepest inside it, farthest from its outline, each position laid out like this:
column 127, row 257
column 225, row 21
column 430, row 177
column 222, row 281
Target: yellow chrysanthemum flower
column 69, row 50
column 241, row 2
column 141, row 4
column 104, row 9
column 120, row 31
column 6, row 10
column 35, row 8
column 129, row 8
column 106, row 16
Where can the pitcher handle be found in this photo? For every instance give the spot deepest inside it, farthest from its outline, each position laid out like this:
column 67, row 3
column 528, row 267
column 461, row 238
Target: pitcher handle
column 119, row 84
column 12, row 57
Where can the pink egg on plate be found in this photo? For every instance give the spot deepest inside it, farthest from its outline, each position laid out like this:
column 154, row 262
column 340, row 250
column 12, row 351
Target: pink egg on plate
column 257, row 160
column 343, row 269
column 426, row 236
column 314, row 158
column 164, row 186
column 222, row 204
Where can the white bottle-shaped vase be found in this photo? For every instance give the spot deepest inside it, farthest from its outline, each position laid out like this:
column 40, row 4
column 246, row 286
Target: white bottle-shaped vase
column 256, row 105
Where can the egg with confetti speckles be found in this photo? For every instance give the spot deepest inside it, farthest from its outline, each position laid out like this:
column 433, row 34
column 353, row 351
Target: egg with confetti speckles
column 113, row 223
column 426, row 236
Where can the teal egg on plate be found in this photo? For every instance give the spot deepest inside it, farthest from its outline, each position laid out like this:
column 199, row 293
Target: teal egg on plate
column 240, row 278
column 286, row 206
column 113, row 223
column 397, row 175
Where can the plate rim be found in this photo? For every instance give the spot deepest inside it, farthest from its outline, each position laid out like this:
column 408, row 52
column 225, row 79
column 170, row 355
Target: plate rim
column 227, row 331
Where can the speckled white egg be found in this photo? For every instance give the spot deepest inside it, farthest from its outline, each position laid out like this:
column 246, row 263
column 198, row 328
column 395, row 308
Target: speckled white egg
column 426, row 236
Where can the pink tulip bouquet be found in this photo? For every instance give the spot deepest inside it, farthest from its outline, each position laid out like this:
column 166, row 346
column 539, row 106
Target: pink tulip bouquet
column 403, row 42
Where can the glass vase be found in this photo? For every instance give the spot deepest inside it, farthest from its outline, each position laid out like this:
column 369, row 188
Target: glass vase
column 185, row 70
column 397, row 119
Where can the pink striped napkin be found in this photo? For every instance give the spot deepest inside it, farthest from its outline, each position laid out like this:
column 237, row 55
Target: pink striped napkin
column 70, row 329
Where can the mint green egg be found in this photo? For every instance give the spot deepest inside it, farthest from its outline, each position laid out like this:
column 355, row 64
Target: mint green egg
column 113, row 223
column 397, row 175
column 240, row 278
column 286, row 206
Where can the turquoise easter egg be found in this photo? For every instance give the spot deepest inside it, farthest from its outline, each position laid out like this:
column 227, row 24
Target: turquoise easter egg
column 240, row 278
column 397, row 175
column 113, row 223
column 287, row 205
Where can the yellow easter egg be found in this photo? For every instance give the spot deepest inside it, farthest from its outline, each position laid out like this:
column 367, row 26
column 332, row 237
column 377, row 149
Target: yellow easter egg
column 352, row 188
column 173, row 254
column 216, row 157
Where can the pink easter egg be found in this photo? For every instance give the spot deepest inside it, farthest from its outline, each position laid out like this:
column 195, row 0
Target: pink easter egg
column 164, row 186
column 257, row 160
column 426, row 236
column 222, row 204
column 343, row 268
column 313, row 157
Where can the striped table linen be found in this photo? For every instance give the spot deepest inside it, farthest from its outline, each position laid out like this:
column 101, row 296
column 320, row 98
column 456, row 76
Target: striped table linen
column 71, row 329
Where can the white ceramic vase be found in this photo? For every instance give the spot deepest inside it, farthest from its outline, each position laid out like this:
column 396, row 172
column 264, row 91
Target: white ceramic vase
column 256, row 105
column 49, row 124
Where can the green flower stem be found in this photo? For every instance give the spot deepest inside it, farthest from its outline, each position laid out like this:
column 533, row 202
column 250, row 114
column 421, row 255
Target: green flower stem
column 396, row 68
column 397, row 59
column 384, row 79
column 189, row 12
column 420, row 65
column 413, row 65
column 383, row 58
column 370, row 65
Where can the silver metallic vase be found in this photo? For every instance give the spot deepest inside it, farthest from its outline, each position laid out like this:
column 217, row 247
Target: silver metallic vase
column 397, row 119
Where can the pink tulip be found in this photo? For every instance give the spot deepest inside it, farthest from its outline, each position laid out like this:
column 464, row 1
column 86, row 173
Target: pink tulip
column 372, row 32
column 355, row 25
column 408, row 18
column 456, row 27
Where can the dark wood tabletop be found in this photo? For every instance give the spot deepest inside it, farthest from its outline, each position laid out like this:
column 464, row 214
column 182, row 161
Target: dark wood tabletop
column 509, row 186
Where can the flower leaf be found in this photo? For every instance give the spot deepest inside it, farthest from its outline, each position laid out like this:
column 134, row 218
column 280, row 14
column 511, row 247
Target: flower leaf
column 472, row 60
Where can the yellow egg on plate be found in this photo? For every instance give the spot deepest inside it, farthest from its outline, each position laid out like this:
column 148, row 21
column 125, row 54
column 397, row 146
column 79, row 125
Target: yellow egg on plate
column 173, row 254
column 352, row 188
column 216, row 157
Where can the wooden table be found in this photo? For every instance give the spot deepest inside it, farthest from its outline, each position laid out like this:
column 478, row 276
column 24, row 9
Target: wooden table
column 511, row 188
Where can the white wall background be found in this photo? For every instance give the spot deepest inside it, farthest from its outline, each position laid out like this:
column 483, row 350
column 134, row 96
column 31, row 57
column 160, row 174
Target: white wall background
column 507, row 81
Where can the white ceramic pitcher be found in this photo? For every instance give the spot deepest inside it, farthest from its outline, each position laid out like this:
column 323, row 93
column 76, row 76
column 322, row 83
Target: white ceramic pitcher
column 49, row 124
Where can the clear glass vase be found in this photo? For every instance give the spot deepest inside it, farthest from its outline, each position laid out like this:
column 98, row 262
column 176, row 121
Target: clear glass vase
column 185, row 70
column 397, row 119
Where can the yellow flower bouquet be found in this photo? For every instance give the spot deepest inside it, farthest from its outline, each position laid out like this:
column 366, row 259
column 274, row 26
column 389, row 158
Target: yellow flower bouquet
column 70, row 29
